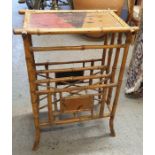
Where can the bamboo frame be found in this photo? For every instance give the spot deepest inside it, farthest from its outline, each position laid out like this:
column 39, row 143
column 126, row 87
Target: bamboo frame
column 106, row 76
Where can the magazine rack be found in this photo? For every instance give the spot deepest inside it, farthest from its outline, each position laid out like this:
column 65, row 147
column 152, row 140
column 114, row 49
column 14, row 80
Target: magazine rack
column 87, row 92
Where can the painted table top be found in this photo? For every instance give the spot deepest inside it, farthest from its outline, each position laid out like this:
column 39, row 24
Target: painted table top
column 58, row 22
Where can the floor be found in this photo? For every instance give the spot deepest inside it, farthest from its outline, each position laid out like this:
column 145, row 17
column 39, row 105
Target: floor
column 87, row 138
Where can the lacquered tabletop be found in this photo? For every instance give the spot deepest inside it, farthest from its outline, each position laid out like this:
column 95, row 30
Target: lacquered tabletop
column 77, row 21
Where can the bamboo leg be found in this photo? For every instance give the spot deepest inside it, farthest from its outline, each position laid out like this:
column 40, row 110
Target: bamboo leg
column 37, row 138
column 32, row 77
column 111, row 125
column 120, row 77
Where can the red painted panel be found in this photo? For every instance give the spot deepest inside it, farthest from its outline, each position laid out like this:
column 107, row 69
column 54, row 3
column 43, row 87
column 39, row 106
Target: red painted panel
column 48, row 20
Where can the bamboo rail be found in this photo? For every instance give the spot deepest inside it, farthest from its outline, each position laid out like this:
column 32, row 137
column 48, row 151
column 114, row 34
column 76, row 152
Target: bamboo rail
column 66, row 62
column 82, row 47
column 119, row 19
column 50, row 31
column 59, row 90
column 71, row 69
column 80, row 119
column 22, row 11
column 80, row 78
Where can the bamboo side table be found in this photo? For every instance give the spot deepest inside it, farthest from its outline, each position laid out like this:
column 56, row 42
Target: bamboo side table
column 73, row 91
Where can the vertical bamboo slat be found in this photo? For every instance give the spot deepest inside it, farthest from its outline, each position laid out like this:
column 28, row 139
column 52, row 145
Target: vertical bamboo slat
column 49, row 99
column 109, row 57
column 110, row 53
column 103, row 59
column 50, row 113
column 103, row 101
column 112, row 79
column 91, row 72
column 104, row 50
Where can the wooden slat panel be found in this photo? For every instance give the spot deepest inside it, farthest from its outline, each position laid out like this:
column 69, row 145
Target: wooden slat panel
column 76, row 103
